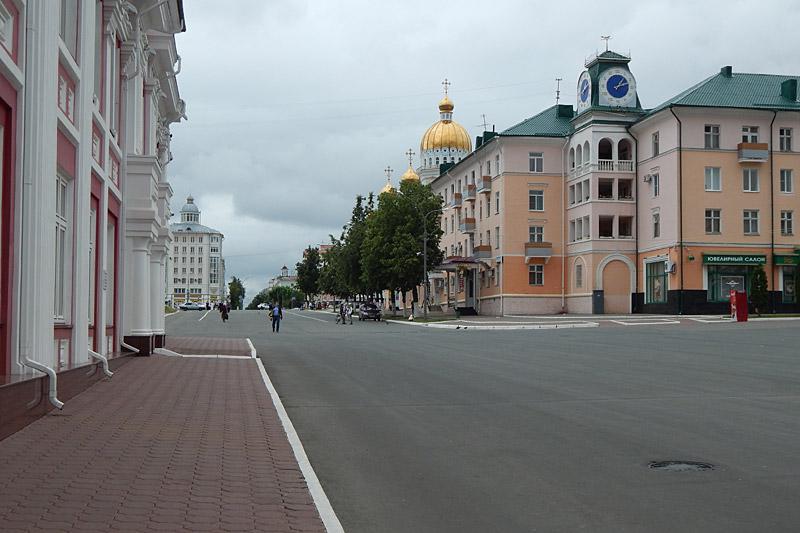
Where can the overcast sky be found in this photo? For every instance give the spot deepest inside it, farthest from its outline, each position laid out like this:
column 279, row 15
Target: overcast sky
column 295, row 107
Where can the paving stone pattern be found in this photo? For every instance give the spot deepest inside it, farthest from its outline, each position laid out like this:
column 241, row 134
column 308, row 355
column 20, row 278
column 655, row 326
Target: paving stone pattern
column 207, row 346
column 167, row 444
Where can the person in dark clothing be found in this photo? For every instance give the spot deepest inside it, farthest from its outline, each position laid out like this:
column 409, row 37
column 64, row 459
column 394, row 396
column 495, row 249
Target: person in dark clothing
column 277, row 315
column 223, row 310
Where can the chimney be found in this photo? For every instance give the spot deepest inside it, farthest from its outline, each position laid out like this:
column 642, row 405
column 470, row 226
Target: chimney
column 727, row 71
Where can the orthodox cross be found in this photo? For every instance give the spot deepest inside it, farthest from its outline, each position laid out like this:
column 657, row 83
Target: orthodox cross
column 558, row 89
column 605, row 38
column 410, row 155
column 388, row 170
column 446, row 84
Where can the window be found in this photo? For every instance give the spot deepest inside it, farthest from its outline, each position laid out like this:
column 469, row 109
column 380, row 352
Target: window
column 586, row 233
column 184, row 249
column 656, row 225
column 175, row 270
column 452, row 224
column 571, row 231
column 579, row 275
column 535, row 161
column 624, row 189
column 713, row 179
column 176, row 250
column 787, row 181
column 749, row 134
column 62, row 249
column 787, row 223
column 656, row 282
column 750, row 221
column 497, row 237
column 535, row 234
column 606, row 226
column 625, row 227
column 656, row 181
column 654, row 140
column 536, row 200
column 578, row 229
column 488, row 168
column 571, row 195
column 713, row 221
column 605, row 189
column 497, row 203
column 586, row 190
column 536, row 275
column 69, row 26
column 712, row 137
column 497, row 164
column 785, row 138
column 750, row 180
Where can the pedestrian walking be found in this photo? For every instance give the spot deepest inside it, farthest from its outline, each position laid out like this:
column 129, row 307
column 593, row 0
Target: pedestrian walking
column 350, row 313
column 277, row 315
column 342, row 314
column 223, row 311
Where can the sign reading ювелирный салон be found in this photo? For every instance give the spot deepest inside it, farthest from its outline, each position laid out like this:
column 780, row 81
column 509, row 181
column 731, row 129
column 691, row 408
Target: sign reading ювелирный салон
column 734, row 259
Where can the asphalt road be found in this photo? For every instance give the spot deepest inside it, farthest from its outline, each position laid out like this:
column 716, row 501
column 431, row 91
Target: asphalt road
column 416, row 430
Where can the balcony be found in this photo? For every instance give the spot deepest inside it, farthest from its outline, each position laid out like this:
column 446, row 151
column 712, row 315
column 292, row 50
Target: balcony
column 609, row 165
column 467, row 225
column 469, row 193
column 538, row 249
column 456, row 201
column 485, row 184
column 483, row 251
column 753, row 152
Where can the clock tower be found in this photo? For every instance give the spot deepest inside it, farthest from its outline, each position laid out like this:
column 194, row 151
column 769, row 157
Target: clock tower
column 607, row 83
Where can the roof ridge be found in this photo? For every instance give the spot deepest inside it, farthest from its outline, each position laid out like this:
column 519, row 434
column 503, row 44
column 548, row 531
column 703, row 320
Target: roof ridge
column 520, row 123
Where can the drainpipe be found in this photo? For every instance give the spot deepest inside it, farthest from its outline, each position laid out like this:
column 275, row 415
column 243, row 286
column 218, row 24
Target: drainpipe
column 103, row 360
column 129, row 347
column 563, row 227
column 636, row 203
column 27, row 198
column 772, row 213
column 680, row 208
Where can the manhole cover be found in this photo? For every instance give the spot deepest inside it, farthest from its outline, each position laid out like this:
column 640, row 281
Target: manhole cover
column 680, row 466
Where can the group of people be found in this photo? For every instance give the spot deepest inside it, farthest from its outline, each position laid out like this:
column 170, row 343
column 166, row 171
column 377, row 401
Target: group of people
column 223, row 311
column 345, row 312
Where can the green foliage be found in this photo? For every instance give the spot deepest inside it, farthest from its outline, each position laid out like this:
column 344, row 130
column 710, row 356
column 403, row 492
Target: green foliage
column 758, row 290
column 260, row 298
column 285, row 297
column 308, row 272
column 236, row 293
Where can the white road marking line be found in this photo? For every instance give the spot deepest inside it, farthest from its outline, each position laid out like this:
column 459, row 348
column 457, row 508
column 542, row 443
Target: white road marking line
column 711, row 321
column 252, row 348
column 170, row 314
column 326, row 512
column 202, row 317
column 649, row 323
column 308, row 317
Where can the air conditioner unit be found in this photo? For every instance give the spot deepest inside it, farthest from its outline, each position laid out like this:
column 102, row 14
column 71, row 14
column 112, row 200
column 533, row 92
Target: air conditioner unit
column 670, row 267
column 647, row 178
column 499, row 259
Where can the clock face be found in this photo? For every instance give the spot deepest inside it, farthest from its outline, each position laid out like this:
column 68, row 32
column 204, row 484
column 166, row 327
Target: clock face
column 617, row 88
column 584, row 91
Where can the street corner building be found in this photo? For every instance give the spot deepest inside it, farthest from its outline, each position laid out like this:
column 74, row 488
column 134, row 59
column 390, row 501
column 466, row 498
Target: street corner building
column 88, row 91
column 195, row 265
column 610, row 207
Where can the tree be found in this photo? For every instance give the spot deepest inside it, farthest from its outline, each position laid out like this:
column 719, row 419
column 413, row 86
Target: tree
column 260, row 298
column 308, row 272
column 285, row 296
column 236, row 293
column 758, row 290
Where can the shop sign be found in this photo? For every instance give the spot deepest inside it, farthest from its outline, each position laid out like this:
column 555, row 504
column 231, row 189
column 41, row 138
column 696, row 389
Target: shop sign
column 734, row 259
column 787, row 259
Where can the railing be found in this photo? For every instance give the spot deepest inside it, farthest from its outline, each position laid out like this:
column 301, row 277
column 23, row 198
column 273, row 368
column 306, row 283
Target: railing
column 469, row 193
column 753, row 152
column 456, row 201
column 467, row 225
column 482, row 251
column 485, row 184
column 538, row 249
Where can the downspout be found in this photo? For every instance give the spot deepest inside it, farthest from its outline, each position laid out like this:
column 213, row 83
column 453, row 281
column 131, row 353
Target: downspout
column 772, row 214
column 26, row 197
column 103, row 360
column 563, row 227
column 129, row 347
column 636, row 204
column 680, row 208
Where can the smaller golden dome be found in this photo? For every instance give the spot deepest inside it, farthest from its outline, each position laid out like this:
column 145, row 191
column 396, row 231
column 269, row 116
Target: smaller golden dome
column 388, row 187
column 409, row 175
column 445, row 104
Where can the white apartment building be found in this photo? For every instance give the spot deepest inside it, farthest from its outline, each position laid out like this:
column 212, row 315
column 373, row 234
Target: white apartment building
column 195, row 266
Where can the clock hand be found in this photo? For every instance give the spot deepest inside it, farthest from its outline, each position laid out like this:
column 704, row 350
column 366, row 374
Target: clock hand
column 620, row 84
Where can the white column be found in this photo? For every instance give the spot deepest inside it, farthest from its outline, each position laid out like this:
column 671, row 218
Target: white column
column 137, row 304
column 156, row 289
column 37, row 235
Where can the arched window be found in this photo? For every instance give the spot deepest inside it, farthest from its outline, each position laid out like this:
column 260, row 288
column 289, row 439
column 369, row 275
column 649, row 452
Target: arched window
column 437, row 160
column 624, row 150
column 578, row 155
column 605, row 150
column 587, row 153
column 572, row 158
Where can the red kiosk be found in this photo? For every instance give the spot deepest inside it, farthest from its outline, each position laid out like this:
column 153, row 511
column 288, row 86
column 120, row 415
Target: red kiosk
column 739, row 305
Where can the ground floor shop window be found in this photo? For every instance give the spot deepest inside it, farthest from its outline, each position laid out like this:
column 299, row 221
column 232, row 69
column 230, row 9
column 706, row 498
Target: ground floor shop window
column 656, row 282
column 790, row 275
column 722, row 279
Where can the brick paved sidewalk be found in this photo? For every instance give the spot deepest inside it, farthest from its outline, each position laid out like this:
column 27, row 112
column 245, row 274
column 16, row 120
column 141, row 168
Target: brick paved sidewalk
column 170, row 444
column 207, row 345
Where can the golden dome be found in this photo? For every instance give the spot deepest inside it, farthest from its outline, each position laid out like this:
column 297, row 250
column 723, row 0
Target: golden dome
column 446, row 133
column 388, row 187
column 409, row 175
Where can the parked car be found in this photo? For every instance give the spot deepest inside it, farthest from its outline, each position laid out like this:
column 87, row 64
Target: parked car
column 369, row 312
column 191, row 306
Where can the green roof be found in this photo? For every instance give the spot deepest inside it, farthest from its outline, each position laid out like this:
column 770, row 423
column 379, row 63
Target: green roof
column 735, row 90
column 554, row 121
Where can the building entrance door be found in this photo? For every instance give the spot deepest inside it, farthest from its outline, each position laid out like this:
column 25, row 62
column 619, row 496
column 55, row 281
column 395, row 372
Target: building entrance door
column 6, row 225
column 469, row 290
column 616, row 288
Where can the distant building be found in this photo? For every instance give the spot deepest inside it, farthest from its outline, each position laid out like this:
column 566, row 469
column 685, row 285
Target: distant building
column 284, row 280
column 195, row 266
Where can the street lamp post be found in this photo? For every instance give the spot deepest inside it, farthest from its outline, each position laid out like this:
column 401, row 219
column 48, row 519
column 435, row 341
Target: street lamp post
column 425, row 260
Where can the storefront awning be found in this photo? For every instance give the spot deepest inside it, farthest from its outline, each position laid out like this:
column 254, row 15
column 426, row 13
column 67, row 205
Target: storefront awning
column 451, row 264
column 786, row 259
